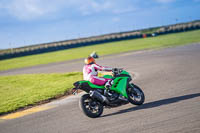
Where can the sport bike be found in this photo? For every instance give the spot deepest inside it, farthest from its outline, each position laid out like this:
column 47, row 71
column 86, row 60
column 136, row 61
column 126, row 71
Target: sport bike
column 120, row 93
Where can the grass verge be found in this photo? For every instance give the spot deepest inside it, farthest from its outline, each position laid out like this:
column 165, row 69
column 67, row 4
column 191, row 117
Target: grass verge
column 22, row 90
column 103, row 49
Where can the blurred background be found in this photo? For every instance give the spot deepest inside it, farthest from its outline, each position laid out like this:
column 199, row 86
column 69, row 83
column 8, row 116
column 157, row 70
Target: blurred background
column 28, row 22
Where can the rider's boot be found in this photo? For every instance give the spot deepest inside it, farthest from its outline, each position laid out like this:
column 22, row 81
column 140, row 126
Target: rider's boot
column 108, row 86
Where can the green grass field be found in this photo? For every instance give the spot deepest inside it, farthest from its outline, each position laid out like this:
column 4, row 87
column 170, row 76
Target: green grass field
column 22, row 90
column 103, row 49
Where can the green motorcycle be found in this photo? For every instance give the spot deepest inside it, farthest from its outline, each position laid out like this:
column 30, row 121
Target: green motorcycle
column 97, row 97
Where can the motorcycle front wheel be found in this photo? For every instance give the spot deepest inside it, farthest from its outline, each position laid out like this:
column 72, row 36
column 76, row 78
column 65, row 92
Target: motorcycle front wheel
column 90, row 107
column 135, row 95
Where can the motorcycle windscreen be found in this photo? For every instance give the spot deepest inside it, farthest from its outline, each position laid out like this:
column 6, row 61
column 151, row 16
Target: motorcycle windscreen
column 120, row 85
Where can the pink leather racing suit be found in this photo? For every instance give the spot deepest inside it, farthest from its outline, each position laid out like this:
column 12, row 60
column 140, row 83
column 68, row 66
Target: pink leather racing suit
column 90, row 73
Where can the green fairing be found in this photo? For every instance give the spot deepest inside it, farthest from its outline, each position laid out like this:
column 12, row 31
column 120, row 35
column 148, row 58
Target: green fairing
column 119, row 85
column 125, row 72
column 92, row 85
column 108, row 76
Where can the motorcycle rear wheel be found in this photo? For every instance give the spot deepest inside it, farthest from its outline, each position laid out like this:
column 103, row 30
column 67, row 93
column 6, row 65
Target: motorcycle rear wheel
column 135, row 95
column 90, row 107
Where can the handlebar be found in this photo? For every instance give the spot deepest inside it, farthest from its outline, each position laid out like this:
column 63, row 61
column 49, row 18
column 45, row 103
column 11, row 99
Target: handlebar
column 117, row 71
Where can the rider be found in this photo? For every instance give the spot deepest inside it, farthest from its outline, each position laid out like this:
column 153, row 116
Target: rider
column 90, row 72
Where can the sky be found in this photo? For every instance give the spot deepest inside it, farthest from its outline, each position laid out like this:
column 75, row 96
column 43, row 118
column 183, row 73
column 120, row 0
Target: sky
column 29, row 22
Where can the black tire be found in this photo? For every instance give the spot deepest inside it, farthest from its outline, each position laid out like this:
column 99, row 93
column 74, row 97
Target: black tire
column 88, row 105
column 135, row 95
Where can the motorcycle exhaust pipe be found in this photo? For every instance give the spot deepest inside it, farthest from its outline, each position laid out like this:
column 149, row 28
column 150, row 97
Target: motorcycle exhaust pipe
column 98, row 96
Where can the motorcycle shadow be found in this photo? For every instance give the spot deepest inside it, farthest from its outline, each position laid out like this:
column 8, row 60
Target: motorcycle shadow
column 156, row 104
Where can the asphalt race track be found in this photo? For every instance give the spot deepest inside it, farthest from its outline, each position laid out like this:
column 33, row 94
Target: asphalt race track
column 170, row 79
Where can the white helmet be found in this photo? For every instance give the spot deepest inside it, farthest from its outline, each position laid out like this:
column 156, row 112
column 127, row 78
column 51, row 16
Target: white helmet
column 94, row 55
